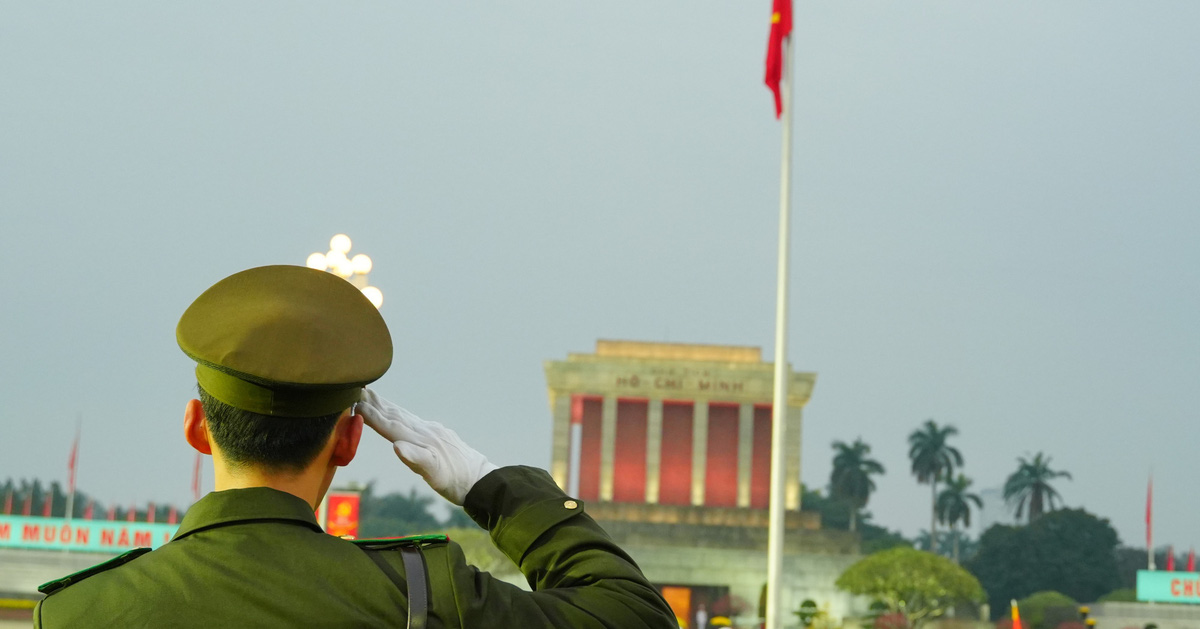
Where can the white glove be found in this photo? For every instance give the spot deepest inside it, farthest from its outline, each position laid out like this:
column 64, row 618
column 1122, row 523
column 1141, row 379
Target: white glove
column 450, row 466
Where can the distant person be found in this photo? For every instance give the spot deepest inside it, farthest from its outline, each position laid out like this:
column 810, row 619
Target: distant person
column 283, row 354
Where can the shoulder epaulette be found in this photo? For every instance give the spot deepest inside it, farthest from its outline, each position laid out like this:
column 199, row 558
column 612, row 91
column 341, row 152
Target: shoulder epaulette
column 410, row 541
column 51, row 587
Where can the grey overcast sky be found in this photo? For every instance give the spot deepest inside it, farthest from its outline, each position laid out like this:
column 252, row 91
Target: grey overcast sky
column 995, row 219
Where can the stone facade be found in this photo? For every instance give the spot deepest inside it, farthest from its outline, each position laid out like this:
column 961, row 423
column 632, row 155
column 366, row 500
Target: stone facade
column 669, row 445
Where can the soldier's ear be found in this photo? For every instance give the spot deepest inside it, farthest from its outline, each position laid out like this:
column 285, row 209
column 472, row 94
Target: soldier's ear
column 346, row 436
column 195, row 427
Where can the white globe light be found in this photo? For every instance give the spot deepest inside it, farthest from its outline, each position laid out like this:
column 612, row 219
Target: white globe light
column 362, row 264
column 316, row 261
column 344, row 267
column 340, row 242
column 374, row 295
column 335, row 258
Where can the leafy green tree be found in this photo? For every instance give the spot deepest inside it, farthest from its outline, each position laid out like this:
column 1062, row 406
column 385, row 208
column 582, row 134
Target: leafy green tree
column 833, row 516
column 395, row 514
column 1029, row 487
column 954, row 506
column 1046, row 609
column 1069, row 551
column 932, row 460
column 920, row 585
column 1123, row 595
column 850, row 480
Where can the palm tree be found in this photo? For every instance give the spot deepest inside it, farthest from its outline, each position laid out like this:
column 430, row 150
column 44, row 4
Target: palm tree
column 851, row 477
column 954, row 506
column 932, row 460
column 1029, row 488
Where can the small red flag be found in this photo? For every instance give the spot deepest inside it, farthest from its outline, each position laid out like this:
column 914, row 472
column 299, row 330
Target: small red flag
column 1149, row 513
column 781, row 27
column 112, row 513
column 196, row 480
column 172, row 515
column 71, row 463
column 8, row 503
column 89, row 510
column 1191, row 560
column 27, row 507
column 150, row 513
column 132, row 515
column 47, row 505
column 1170, row 559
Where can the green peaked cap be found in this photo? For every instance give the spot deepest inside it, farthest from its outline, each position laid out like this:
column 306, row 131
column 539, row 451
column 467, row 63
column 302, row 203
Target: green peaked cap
column 288, row 341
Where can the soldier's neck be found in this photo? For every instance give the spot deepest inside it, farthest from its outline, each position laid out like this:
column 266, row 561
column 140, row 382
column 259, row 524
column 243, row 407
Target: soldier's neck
column 309, row 484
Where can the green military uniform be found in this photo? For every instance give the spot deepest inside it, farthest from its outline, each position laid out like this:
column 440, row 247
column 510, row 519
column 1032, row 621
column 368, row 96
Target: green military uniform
column 289, row 342
column 257, row 558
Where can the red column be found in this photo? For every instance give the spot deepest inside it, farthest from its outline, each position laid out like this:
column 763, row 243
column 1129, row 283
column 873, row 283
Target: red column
column 589, row 448
column 760, row 466
column 629, row 455
column 721, row 469
column 675, row 467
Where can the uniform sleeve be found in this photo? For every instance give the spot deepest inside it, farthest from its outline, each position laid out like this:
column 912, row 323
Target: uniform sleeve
column 580, row 577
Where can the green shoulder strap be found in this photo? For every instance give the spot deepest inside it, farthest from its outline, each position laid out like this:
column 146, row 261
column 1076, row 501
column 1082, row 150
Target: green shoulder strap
column 51, row 587
column 414, row 568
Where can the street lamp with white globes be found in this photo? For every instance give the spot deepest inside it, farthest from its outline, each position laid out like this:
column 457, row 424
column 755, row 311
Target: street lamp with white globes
column 352, row 269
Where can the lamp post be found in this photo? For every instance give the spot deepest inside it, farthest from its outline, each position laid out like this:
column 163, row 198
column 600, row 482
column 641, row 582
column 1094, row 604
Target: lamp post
column 353, row 269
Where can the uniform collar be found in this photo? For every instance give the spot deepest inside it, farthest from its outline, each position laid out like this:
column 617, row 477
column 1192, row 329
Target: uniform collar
column 240, row 505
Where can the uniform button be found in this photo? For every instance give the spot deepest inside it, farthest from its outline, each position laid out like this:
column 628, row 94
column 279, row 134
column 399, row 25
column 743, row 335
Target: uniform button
column 570, row 504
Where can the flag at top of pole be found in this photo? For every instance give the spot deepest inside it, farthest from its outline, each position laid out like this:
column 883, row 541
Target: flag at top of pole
column 781, row 28
column 1016, row 614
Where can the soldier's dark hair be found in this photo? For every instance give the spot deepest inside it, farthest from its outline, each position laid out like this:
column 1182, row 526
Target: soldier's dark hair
column 277, row 443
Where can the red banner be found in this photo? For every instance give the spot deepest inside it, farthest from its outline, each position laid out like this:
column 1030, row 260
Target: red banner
column 341, row 514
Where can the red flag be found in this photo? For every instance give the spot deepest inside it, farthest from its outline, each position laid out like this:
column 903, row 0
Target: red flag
column 71, row 464
column 89, row 510
column 1170, row 559
column 172, row 515
column 112, row 513
column 132, row 515
column 8, row 503
column 1149, row 513
column 150, row 513
column 47, row 504
column 196, row 480
column 781, row 27
column 1191, row 560
column 27, row 507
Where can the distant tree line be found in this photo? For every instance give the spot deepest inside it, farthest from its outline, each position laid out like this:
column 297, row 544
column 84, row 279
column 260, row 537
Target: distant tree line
column 33, row 498
column 1053, row 554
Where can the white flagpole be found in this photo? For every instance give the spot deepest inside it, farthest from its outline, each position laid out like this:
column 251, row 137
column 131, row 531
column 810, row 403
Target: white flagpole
column 779, row 403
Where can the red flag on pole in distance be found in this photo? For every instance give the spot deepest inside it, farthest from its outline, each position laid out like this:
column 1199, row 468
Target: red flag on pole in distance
column 27, row 506
column 1149, row 513
column 781, row 27
column 196, row 480
column 89, row 510
column 1191, row 567
column 8, row 503
column 150, row 513
column 47, row 505
column 132, row 515
column 71, row 464
column 1170, row 559
column 172, row 515
column 112, row 513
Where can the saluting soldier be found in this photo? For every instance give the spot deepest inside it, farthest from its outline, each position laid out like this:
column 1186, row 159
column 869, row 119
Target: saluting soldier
column 283, row 355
